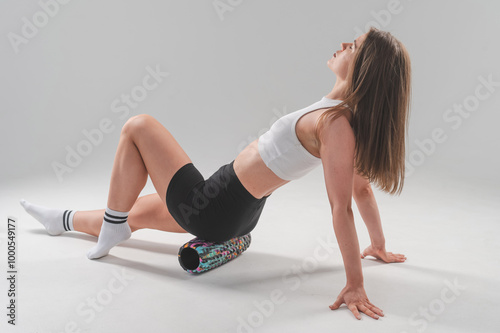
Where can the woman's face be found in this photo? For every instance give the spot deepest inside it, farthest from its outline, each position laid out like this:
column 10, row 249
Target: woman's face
column 340, row 61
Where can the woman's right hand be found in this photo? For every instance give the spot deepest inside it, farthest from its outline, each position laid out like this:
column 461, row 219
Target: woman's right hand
column 356, row 300
column 382, row 254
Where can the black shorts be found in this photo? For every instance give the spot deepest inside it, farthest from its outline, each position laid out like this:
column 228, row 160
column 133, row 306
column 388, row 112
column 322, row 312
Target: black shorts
column 216, row 209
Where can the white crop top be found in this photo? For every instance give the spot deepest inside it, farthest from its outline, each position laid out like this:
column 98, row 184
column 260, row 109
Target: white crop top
column 281, row 149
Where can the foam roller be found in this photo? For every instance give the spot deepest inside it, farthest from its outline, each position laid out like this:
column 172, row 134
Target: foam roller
column 198, row 255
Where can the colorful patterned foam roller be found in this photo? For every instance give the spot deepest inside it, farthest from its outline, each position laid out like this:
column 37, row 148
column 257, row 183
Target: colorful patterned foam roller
column 198, row 255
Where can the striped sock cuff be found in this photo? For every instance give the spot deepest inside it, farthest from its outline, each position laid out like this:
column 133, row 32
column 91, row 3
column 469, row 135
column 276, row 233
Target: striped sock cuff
column 68, row 220
column 113, row 216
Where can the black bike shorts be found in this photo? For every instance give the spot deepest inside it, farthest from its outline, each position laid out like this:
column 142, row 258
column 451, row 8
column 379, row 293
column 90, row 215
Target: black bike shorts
column 216, row 209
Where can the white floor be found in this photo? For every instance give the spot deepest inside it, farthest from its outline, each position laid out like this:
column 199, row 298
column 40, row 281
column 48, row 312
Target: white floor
column 284, row 282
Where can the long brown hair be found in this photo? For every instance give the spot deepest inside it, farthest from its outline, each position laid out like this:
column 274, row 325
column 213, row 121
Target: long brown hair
column 378, row 93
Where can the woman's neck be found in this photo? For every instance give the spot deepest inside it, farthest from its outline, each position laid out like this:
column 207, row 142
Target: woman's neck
column 337, row 91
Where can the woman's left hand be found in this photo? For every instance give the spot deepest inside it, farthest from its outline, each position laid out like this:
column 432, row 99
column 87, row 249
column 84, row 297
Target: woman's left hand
column 356, row 300
column 383, row 255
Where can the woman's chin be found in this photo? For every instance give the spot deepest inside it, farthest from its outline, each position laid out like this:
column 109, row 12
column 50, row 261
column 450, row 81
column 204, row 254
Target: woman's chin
column 331, row 68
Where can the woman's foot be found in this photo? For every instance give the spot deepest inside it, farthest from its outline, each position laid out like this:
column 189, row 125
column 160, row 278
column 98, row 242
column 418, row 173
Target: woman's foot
column 110, row 236
column 114, row 230
column 55, row 221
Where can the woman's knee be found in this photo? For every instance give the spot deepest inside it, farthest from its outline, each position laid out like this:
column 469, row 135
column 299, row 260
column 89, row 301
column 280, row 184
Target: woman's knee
column 362, row 192
column 137, row 124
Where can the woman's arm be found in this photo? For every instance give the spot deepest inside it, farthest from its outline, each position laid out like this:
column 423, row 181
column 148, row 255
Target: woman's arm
column 337, row 155
column 367, row 206
column 345, row 232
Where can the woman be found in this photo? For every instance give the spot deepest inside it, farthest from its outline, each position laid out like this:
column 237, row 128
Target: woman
column 357, row 132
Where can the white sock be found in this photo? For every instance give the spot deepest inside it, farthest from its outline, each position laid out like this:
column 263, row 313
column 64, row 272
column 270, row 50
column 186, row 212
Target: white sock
column 114, row 230
column 55, row 221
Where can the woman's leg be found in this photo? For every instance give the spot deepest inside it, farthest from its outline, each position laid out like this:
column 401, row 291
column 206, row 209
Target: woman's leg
column 145, row 148
column 148, row 212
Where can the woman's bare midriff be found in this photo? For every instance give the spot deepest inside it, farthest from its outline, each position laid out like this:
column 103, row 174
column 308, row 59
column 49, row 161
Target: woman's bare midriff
column 254, row 174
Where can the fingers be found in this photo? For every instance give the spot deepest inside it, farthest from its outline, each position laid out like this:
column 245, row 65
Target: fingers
column 368, row 312
column 337, row 304
column 375, row 309
column 387, row 257
column 396, row 257
column 369, row 309
column 355, row 311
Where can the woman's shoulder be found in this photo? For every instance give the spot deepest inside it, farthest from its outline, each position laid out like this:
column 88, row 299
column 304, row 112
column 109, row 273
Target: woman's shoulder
column 337, row 135
column 340, row 125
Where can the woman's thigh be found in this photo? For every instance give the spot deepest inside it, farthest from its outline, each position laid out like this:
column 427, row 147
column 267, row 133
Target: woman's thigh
column 161, row 153
column 150, row 212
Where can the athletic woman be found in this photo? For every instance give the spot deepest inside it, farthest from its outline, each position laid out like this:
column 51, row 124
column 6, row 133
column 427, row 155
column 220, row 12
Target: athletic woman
column 357, row 132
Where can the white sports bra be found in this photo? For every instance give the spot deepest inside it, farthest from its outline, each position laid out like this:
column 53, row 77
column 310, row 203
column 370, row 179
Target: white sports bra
column 281, row 149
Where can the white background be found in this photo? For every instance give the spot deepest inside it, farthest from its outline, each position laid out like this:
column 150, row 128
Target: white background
column 231, row 74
